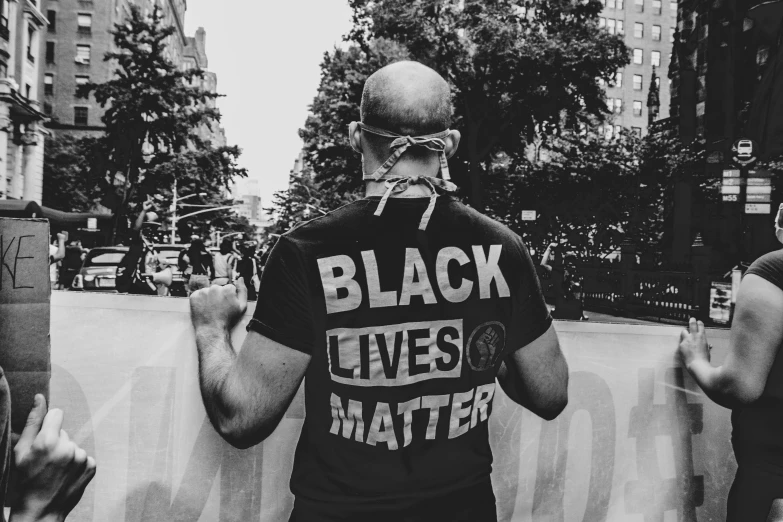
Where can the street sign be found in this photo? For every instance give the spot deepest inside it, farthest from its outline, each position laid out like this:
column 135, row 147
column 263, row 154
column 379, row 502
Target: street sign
column 730, row 189
column 728, row 182
column 759, row 181
column 528, row 215
column 757, row 198
column 765, row 189
column 730, row 198
column 757, row 208
column 744, row 152
column 92, row 223
column 759, row 173
column 731, row 173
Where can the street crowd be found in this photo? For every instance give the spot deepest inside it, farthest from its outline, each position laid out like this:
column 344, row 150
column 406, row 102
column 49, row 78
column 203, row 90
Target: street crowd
column 144, row 268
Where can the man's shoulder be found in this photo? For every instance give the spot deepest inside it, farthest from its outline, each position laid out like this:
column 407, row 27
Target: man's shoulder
column 469, row 219
column 341, row 221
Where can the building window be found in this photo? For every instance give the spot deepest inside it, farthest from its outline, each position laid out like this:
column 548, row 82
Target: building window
column 638, row 30
column 620, row 27
column 601, row 83
column 47, row 108
column 639, row 5
column 85, row 23
column 671, row 35
column 618, row 79
column 608, row 132
column 30, row 43
column 637, row 82
column 610, row 104
column 81, row 80
column 637, row 131
column 602, row 22
column 27, row 90
column 610, row 25
column 49, row 52
column 620, row 4
column 610, row 4
column 638, row 56
column 51, row 17
column 617, row 129
column 48, row 83
column 83, row 54
column 656, row 33
column 618, row 106
column 673, row 6
column 657, row 82
column 655, row 58
column 80, row 115
column 657, row 7
column 637, row 108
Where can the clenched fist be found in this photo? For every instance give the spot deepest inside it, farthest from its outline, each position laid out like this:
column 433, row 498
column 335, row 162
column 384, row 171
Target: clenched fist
column 218, row 307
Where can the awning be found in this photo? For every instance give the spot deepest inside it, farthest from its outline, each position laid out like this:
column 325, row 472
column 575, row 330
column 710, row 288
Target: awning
column 20, row 208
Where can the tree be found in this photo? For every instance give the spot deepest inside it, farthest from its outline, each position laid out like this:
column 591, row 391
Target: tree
column 66, row 182
column 518, row 72
column 153, row 109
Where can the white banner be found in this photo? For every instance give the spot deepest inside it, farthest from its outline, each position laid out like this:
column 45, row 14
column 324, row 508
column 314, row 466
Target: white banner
column 638, row 441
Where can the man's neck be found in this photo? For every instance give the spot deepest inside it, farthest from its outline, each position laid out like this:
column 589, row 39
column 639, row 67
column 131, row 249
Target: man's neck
column 401, row 169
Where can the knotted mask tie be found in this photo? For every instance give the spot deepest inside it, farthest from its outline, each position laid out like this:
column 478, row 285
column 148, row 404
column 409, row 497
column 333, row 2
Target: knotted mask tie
column 396, row 184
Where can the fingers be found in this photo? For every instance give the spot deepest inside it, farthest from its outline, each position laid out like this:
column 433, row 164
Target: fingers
column 700, row 327
column 242, row 293
column 683, row 334
column 51, row 428
column 34, row 421
column 692, row 325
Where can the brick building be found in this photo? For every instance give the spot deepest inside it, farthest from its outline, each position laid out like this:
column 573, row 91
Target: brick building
column 21, row 133
column 648, row 27
column 76, row 40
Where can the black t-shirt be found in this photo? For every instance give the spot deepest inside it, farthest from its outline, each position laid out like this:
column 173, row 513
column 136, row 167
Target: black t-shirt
column 758, row 427
column 406, row 330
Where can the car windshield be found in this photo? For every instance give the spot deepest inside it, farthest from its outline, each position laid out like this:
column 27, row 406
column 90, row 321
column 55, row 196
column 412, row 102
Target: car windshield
column 104, row 258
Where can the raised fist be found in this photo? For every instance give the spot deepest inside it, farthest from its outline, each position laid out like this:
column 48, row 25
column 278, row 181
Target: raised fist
column 486, row 346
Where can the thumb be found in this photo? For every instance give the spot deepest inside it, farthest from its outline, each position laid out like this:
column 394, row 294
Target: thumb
column 34, row 421
column 241, row 292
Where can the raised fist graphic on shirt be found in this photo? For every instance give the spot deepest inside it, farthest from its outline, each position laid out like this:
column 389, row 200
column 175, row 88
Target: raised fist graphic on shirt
column 486, row 346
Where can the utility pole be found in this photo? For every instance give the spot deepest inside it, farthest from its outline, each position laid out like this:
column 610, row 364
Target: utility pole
column 174, row 213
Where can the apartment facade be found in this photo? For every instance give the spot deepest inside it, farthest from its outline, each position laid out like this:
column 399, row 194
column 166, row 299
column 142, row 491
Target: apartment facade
column 77, row 37
column 648, row 28
column 22, row 25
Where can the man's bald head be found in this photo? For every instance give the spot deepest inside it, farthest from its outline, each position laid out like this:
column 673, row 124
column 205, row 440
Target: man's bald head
column 407, row 98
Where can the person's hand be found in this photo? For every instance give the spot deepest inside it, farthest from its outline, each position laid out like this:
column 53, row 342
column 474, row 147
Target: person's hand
column 218, row 307
column 693, row 343
column 51, row 471
column 62, row 236
column 147, row 205
column 552, row 245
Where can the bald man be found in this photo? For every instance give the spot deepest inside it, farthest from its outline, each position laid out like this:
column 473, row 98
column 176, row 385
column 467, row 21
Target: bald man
column 402, row 309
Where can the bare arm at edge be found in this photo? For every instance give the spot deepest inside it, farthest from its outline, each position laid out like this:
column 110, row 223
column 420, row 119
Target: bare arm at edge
column 536, row 376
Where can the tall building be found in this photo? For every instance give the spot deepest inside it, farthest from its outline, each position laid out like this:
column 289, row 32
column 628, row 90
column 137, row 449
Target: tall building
column 648, row 28
column 72, row 50
column 21, row 134
column 195, row 56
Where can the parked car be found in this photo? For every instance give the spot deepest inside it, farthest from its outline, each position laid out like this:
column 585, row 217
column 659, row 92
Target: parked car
column 99, row 270
column 171, row 253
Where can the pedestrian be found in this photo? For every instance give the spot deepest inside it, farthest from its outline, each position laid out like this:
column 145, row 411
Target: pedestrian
column 132, row 275
column 750, row 383
column 567, row 285
column 225, row 263
column 56, row 254
column 196, row 265
column 247, row 270
column 402, row 309
column 71, row 263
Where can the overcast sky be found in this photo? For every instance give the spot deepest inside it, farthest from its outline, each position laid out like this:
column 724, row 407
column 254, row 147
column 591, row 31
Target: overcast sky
column 266, row 55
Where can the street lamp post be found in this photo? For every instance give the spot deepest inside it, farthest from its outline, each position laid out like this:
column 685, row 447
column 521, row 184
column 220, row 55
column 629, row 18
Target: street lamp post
column 174, row 217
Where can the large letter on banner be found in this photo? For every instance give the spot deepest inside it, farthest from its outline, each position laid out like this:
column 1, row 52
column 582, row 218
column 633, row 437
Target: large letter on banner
column 152, row 448
column 590, row 393
column 676, row 419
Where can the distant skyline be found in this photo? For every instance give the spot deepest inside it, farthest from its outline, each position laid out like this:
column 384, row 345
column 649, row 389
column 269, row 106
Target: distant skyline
column 266, row 56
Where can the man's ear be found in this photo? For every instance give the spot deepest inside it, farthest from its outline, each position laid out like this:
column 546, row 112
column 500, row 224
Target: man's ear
column 452, row 143
column 355, row 136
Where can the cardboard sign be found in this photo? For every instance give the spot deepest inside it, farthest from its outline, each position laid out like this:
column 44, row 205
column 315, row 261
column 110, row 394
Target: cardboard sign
column 24, row 312
column 758, row 208
column 638, row 441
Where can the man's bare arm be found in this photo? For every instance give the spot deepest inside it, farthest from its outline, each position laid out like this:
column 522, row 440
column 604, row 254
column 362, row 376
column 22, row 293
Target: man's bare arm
column 536, row 376
column 245, row 394
column 756, row 335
